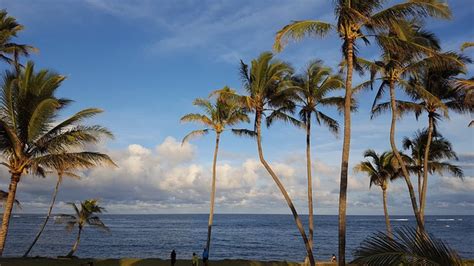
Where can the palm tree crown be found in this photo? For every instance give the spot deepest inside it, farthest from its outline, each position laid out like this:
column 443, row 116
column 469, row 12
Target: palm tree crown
column 217, row 116
column 441, row 152
column 10, row 51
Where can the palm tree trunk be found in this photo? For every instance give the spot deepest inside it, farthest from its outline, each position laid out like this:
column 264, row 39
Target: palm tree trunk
column 419, row 185
column 385, row 211
column 55, row 193
column 310, row 181
column 213, row 193
column 406, row 175
column 425, row 167
column 76, row 244
column 258, row 122
column 346, row 145
column 8, row 210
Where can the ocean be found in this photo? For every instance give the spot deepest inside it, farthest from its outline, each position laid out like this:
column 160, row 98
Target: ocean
column 243, row 236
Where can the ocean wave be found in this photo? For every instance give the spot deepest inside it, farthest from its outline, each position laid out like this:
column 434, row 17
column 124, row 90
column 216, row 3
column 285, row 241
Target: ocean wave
column 444, row 220
column 399, row 220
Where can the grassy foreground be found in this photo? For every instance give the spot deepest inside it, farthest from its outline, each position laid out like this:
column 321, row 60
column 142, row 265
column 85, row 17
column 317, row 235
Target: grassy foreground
column 138, row 262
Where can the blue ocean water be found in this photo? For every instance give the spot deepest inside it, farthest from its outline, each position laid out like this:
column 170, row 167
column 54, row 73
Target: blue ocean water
column 244, row 236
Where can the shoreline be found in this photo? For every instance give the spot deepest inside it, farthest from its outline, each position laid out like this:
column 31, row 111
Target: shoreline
column 36, row 261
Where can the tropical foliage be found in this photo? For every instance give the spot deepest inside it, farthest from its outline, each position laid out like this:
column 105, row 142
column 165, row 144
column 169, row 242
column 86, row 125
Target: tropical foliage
column 356, row 20
column 381, row 169
column 87, row 215
column 217, row 117
column 406, row 247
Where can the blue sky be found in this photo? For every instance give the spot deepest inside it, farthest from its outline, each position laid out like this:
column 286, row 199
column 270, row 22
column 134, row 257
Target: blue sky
column 144, row 62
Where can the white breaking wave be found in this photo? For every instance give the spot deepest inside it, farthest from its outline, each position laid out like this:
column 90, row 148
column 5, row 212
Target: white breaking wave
column 444, row 220
column 400, row 220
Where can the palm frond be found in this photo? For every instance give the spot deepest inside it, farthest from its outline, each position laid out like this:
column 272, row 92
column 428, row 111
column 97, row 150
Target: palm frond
column 194, row 134
column 245, row 133
column 298, row 30
column 406, row 247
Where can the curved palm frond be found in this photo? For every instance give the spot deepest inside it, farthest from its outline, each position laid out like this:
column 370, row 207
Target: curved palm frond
column 406, row 247
column 297, row 30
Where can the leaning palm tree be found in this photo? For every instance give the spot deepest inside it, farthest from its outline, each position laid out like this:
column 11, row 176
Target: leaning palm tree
column 441, row 152
column 352, row 18
column 408, row 247
column 312, row 89
column 86, row 216
column 268, row 88
column 380, row 170
column 217, row 117
column 65, row 165
column 29, row 131
column 431, row 88
column 417, row 49
column 11, row 51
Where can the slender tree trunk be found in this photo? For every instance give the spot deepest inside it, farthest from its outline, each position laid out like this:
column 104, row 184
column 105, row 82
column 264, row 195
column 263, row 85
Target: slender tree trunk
column 55, row 193
column 8, row 210
column 425, row 167
column 346, row 145
column 406, row 175
column 258, row 123
column 385, row 211
column 76, row 244
column 310, row 182
column 419, row 186
column 213, row 193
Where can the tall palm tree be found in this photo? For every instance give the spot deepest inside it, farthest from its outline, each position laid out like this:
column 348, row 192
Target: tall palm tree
column 268, row 87
column 467, row 84
column 441, row 152
column 86, row 216
column 11, row 51
column 431, row 88
column 29, row 132
column 380, row 170
column 312, row 89
column 417, row 48
column 217, row 117
column 352, row 18
column 65, row 165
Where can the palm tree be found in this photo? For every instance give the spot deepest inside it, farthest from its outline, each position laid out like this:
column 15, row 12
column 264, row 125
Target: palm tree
column 397, row 62
column 352, row 18
column 268, row 88
column 67, row 168
column 380, row 171
column 217, row 117
column 87, row 215
column 441, row 152
column 30, row 136
column 431, row 88
column 11, row 51
column 408, row 247
column 312, row 89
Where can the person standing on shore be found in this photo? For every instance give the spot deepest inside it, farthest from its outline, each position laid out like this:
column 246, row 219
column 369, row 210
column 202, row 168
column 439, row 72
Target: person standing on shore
column 205, row 256
column 195, row 260
column 333, row 259
column 173, row 257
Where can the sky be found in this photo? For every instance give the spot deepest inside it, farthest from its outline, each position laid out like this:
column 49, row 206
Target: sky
column 144, row 62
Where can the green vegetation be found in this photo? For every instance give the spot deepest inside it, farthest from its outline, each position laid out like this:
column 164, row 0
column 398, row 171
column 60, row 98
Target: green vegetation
column 33, row 141
column 86, row 216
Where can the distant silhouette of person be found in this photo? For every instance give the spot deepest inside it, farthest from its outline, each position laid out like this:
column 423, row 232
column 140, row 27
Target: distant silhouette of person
column 195, row 260
column 205, row 256
column 173, row 257
column 333, row 258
